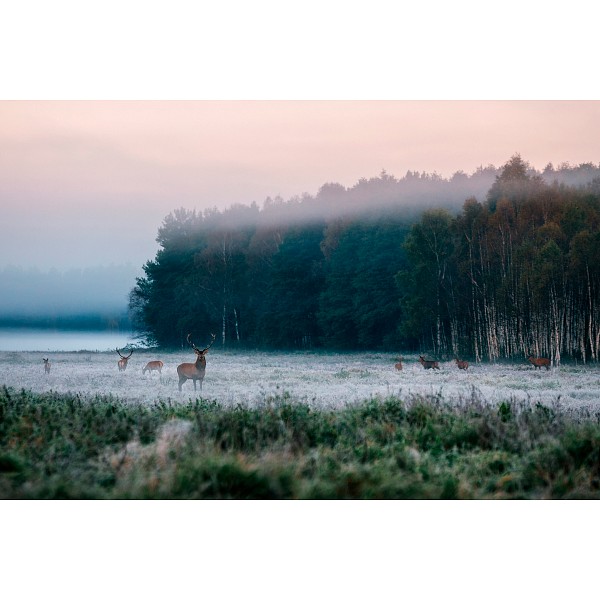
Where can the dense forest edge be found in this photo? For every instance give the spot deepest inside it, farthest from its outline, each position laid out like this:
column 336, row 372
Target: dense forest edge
column 55, row 446
column 498, row 264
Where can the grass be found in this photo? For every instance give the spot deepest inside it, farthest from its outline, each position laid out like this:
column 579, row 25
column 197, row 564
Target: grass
column 64, row 446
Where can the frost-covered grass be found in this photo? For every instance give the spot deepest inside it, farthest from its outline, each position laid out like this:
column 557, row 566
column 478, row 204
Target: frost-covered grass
column 295, row 425
column 64, row 446
column 325, row 380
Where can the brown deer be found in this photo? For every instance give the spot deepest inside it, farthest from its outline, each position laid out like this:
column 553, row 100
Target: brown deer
column 153, row 365
column 46, row 365
column 429, row 364
column 194, row 371
column 538, row 363
column 123, row 362
column 462, row 364
column 398, row 365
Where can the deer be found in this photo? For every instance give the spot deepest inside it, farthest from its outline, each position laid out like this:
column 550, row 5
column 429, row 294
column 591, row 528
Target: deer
column 153, row 365
column 429, row 364
column 194, row 371
column 538, row 363
column 46, row 366
column 123, row 362
column 462, row 364
column 398, row 365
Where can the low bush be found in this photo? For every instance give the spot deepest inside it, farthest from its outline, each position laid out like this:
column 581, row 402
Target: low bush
column 66, row 446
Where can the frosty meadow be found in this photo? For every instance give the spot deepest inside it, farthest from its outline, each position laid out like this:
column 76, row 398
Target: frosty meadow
column 321, row 379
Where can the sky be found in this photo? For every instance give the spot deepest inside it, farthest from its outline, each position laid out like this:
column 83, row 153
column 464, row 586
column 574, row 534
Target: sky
column 88, row 183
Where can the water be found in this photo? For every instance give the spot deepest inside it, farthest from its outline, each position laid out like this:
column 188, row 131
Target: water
column 24, row 339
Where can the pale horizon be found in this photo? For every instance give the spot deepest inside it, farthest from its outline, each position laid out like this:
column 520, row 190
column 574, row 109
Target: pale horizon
column 88, row 183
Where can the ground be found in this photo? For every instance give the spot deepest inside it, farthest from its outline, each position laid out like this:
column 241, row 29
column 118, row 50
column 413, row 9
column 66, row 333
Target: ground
column 325, row 380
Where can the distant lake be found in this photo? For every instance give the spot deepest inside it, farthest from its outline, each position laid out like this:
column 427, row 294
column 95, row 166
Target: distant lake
column 24, row 339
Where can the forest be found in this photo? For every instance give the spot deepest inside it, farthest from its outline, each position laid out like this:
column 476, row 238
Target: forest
column 498, row 264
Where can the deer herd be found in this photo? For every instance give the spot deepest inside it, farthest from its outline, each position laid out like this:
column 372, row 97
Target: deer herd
column 196, row 370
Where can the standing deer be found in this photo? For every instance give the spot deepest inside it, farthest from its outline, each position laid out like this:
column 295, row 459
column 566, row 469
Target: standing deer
column 538, row 363
column 398, row 365
column 429, row 364
column 462, row 364
column 194, row 371
column 153, row 365
column 123, row 362
column 46, row 366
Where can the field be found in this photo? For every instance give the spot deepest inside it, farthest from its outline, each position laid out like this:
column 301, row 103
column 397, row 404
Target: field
column 322, row 380
column 302, row 425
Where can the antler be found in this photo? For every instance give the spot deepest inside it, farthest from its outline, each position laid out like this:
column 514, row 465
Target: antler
column 214, row 337
column 190, row 341
column 207, row 347
column 122, row 355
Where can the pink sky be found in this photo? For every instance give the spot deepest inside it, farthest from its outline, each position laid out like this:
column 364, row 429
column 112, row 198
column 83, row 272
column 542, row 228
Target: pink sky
column 88, row 183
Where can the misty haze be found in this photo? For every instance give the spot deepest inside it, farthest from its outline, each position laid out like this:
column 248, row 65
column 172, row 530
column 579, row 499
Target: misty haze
column 98, row 297
column 32, row 293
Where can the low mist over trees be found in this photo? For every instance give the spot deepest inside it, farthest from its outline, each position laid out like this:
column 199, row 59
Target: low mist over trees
column 495, row 264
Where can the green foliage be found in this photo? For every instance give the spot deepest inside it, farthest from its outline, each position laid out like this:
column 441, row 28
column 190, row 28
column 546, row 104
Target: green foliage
column 501, row 278
column 358, row 306
column 505, row 411
column 288, row 317
column 504, row 278
column 54, row 446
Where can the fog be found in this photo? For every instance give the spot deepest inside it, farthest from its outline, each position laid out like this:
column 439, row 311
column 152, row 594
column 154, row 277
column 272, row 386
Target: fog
column 88, row 183
column 68, row 296
column 408, row 196
column 41, row 296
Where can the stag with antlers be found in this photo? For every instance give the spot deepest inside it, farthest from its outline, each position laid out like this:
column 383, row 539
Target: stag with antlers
column 194, row 371
column 123, row 362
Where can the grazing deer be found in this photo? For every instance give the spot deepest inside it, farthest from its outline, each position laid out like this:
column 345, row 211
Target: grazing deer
column 123, row 362
column 398, row 365
column 46, row 365
column 153, row 365
column 462, row 364
column 194, row 371
column 429, row 364
column 538, row 363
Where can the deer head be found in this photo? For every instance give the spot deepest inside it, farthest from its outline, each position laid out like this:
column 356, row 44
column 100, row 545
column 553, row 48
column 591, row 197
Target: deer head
column 122, row 364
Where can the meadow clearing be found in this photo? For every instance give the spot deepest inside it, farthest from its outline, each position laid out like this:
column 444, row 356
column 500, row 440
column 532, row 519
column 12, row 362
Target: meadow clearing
column 323, row 380
column 295, row 426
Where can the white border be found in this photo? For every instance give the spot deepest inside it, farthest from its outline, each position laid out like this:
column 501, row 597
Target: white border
column 325, row 49
column 299, row 550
